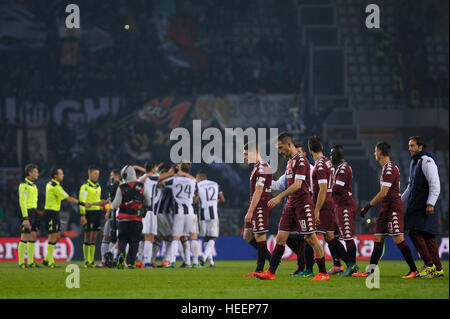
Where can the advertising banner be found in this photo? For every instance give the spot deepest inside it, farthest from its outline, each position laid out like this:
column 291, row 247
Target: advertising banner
column 64, row 249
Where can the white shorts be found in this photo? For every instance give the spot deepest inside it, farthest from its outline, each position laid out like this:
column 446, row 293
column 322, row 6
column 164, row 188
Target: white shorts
column 209, row 228
column 165, row 222
column 184, row 225
column 150, row 224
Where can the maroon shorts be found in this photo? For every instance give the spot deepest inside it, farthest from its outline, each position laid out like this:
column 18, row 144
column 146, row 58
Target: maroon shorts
column 260, row 219
column 328, row 222
column 390, row 219
column 298, row 219
column 346, row 221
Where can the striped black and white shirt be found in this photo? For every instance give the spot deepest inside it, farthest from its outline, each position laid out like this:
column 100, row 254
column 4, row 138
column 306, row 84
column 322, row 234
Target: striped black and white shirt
column 183, row 192
column 208, row 195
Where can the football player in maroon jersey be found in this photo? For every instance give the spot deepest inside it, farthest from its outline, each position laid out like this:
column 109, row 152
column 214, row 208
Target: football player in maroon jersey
column 390, row 219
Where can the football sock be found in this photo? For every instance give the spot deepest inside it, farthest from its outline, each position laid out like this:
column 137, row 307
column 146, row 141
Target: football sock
column 85, row 252
column 111, row 247
column 253, row 243
column 181, row 250
column 293, row 244
column 421, row 247
column 140, row 254
column 148, row 252
column 261, row 257
column 194, row 248
column 321, row 263
column 276, row 257
column 376, row 253
column 301, row 255
column 351, row 250
column 50, row 249
column 168, row 251
column 211, row 244
column 406, row 252
column 30, row 249
column 91, row 253
column 185, row 252
column 21, row 251
column 334, row 253
column 155, row 248
column 309, row 257
column 115, row 253
column 433, row 248
column 339, row 249
column 104, row 249
column 173, row 250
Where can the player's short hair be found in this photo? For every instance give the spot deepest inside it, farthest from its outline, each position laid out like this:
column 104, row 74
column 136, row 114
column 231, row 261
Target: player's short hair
column 315, row 144
column 54, row 171
column 149, row 165
column 29, row 168
column 285, row 138
column 138, row 172
column 338, row 147
column 163, row 168
column 384, row 147
column 202, row 174
column 337, row 152
column 246, row 145
column 93, row 168
column 299, row 145
column 186, row 166
column 419, row 140
column 116, row 171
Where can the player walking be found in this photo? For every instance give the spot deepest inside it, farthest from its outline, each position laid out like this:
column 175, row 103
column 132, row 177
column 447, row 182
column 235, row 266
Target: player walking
column 346, row 207
column 298, row 214
column 257, row 217
column 390, row 219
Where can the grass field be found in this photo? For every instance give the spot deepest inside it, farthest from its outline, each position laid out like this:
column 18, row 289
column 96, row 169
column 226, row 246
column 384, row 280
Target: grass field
column 225, row 281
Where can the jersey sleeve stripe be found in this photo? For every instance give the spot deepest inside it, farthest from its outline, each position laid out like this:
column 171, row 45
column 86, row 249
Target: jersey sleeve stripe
column 322, row 181
column 386, row 184
column 341, row 183
column 299, row 176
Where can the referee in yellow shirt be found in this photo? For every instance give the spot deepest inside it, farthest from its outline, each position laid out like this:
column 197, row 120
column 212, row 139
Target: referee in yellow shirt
column 54, row 194
column 91, row 218
column 28, row 199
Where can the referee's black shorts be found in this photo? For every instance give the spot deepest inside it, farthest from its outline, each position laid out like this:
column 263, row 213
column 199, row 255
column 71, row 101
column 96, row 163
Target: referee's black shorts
column 93, row 220
column 34, row 220
column 52, row 222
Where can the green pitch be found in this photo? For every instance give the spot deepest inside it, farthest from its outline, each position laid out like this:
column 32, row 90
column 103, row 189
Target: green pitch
column 225, row 281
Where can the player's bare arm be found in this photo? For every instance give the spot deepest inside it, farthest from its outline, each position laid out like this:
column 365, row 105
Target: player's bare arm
column 221, row 198
column 255, row 200
column 320, row 200
column 291, row 189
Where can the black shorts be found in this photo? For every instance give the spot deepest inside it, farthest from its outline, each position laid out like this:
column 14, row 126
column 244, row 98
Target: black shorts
column 93, row 220
column 52, row 222
column 34, row 219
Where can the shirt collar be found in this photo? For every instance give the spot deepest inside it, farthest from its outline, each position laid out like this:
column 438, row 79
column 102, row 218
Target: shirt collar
column 55, row 181
column 92, row 183
column 294, row 155
column 28, row 181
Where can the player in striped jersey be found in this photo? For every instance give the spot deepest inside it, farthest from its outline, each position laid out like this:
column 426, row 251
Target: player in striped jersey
column 149, row 223
column 184, row 219
column 209, row 195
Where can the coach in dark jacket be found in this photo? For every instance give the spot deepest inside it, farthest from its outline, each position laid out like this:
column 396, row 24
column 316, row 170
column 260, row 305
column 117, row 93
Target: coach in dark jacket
column 420, row 199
